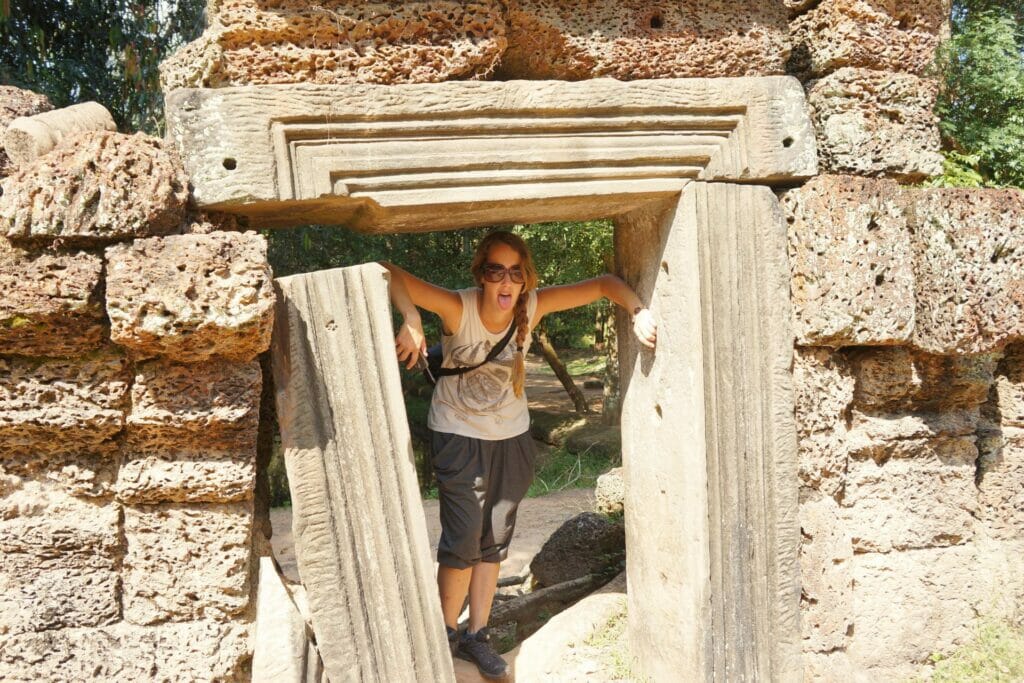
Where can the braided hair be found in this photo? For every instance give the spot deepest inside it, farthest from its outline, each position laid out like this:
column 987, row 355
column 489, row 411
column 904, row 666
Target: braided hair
column 530, row 282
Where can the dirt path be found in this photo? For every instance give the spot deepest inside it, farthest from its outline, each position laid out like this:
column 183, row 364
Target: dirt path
column 538, row 519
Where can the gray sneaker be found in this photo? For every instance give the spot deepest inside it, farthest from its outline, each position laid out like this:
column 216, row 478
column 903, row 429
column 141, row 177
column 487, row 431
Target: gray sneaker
column 476, row 648
column 453, row 639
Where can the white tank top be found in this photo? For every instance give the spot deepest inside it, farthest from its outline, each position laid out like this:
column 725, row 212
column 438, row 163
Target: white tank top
column 480, row 403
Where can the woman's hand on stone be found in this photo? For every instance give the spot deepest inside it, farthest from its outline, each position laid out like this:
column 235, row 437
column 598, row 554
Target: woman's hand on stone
column 411, row 343
column 645, row 328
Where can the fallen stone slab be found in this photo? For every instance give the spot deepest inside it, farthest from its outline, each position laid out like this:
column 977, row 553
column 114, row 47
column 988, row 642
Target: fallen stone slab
column 852, row 276
column 29, row 137
column 195, row 651
column 885, row 36
column 342, row 41
column 62, row 406
column 633, row 40
column 360, row 535
column 50, row 303
column 186, row 562
column 876, row 123
column 95, row 188
column 191, row 298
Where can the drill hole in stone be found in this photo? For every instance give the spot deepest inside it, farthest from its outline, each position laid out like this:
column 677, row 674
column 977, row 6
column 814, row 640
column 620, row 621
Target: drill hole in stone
column 787, row 142
column 664, row 266
column 230, row 164
column 656, row 21
column 657, row 409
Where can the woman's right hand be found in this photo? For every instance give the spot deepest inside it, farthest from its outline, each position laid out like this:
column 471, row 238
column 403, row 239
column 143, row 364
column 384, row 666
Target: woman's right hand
column 410, row 343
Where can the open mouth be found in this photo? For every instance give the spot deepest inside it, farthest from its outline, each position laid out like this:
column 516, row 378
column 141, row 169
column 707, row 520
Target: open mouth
column 505, row 301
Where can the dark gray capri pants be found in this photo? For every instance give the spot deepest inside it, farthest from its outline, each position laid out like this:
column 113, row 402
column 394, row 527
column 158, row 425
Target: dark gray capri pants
column 480, row 484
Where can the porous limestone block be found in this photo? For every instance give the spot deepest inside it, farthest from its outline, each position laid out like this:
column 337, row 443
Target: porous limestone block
column 201, row 651
column 50, row 302
column 911, row 494
column 610, row 492
column 1001, row 483
column 849, row 253
column 969, row 268
column 633, row 39
column 886, row 35
column 95, row 188
column 823, row 390
column 1009, row 388
column 30, row 137
column 186, row 562
column 876, row 123
column 908, row 605
column 62, row 406
column 58, row 558
column 191, row 298
column 250, row 42
column 196, row 475
column 898, row 379
column 826, row 552
column 14, row 103
column 89, row 474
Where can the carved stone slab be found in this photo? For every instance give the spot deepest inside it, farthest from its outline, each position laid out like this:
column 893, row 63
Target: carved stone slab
column 710, row 461
column 449, row 155
column 360, row 535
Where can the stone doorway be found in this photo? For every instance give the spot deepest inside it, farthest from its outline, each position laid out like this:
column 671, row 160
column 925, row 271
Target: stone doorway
column 684, row 167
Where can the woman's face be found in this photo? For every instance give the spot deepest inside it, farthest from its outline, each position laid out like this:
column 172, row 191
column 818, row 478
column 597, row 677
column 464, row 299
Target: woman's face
column 503, row 294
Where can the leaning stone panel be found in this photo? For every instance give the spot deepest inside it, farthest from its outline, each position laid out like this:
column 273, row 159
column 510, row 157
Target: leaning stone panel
column 634, row 39
column 382, row 159
column 876, row 123
column 968, row 268
column 191, row 298
column 886, row 35
column 62, row 406
column 50, row 303
column 259, row 42
column 360, row 535
column 852, row 273
column 59, row 558
column 187, row 562
column 200, row 651
column 95, row 188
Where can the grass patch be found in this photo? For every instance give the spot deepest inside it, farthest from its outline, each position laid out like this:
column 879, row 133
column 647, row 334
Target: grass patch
column 994, row 655
column 565, row 470
column 610, row 640
column 583, row 365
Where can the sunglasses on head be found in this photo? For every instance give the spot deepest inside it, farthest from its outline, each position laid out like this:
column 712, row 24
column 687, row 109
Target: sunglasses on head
column 495, row 272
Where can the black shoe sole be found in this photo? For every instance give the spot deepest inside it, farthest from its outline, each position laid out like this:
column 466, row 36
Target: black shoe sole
column 500, row 677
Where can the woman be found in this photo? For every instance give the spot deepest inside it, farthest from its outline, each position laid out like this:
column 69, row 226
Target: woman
column 483, row 454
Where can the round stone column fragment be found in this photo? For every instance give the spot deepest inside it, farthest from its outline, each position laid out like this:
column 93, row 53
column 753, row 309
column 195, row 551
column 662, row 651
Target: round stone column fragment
column 190, row 298
column 634, row 39
column 15, row 103
column 95, row 188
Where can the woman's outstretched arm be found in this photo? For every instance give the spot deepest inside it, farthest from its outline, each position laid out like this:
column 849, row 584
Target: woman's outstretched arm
column 408, row 292
column 564, row 297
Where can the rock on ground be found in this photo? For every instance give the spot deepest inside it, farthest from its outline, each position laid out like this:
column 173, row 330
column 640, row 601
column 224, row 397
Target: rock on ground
column 191, row 298
column 631, row 40
column 610, row 492
column 587, row 544
column 95, row 188
column 339, row 41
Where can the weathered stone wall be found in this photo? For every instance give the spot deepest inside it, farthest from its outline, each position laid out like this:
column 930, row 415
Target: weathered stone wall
column 129, row 400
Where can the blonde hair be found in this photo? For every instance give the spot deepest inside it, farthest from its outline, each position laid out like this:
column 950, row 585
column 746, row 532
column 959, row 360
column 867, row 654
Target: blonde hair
column 529, row 282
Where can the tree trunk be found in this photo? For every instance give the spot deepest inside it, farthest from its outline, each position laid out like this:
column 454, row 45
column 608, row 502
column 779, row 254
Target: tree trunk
column 611, row 407
column 578, row 399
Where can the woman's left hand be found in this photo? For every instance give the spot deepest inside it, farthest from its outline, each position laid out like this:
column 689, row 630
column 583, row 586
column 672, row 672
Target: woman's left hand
column 645, row 328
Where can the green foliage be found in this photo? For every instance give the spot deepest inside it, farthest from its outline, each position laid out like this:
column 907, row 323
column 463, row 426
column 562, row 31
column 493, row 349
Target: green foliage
column 994, row 655
column 981, row 105
column 103, row 50
column 565, row 470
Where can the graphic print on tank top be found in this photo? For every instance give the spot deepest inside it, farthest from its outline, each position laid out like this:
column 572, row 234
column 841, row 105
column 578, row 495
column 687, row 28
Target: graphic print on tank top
column 489, row 387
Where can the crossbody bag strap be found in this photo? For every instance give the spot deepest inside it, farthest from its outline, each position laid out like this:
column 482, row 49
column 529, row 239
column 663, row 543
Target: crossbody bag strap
column 491, row 355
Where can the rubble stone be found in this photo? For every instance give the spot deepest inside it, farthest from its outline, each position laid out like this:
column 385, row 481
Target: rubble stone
column 1001, row 484
column 610, row 492
column 191, row 297
column 196, row 651
column 886, row 35
column 186, row 562
column 631, row 40
column 876, row 123
column 823, row 391
column 95, row 188
column 969, row 269
column 340, row 41
column 59, row 557
column 586, row 544
column 826, row 583
column 852, row 277
column 50, row 303
column 62, row 406
column 14, row 103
